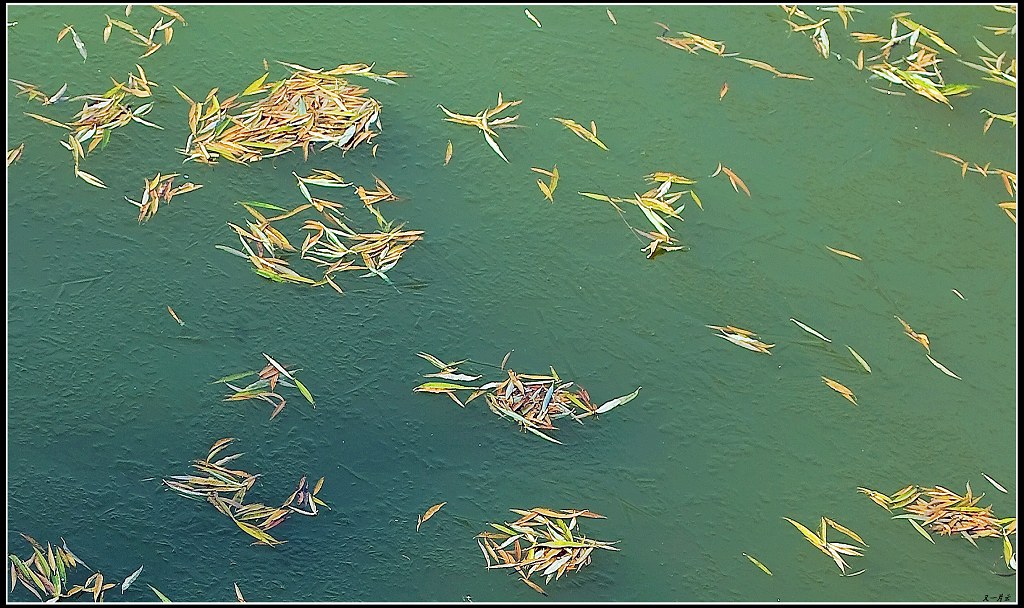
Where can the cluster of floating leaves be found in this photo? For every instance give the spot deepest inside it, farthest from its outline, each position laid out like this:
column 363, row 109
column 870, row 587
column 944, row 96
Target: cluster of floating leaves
column 657, row 206
column 46, row 573
column 919, row 69
column 334, row 246
column 582, row 131
column 235, row 483
column 548, row 189
column 540, row 542
column 34, row 93
column 947, row 513
column 263, row 388
column 14, row 154
column 138, row 38
column 922, row 339
column 1000, row 72
column 100, row 116
column 534, row 401
column 1009, row 180
column 744, row 338
column 693, row 43
column 485, row 121
column 832, row 549
column 309, row 107
column 158, row 189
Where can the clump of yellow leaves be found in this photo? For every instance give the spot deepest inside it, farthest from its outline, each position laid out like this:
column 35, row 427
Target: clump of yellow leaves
column 482, row 120
column 947, row 513
column 47, row 571
column 692, row 43
column 582, row 131
column 832, row 549
column 742, row 337
column 159, row 189
column 839, row 388
column 657, row 206
column 541, row 542
column 234, row 483
column 919, row 69
column 548, row 190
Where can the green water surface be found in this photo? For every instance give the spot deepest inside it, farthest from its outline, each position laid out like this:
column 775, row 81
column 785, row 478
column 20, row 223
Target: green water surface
column 107, row 394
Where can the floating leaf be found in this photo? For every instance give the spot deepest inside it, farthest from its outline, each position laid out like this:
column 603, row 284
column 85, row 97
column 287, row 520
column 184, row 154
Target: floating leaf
column 845, row 254
column 131, row 579
column 943, row 368
column 618, row 401
column 758, row 564
column 839, row 388
column 859, row 359
column 809, row 329
column 994, row 483
column 430, row 513
column 921, row 530
column 163, row 598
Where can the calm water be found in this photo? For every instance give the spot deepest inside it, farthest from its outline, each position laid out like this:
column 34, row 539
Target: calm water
column 107, row 393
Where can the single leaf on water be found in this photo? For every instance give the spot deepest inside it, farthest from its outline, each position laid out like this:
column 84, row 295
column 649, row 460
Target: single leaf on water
column 48, row 121
column 302, row 188
column 78, row 43
column 494, row 146
column 923, row 532
column 809, row 330
column 810, row 536
column 163, row 598
column 303, row 390
column 440, row 387
column 859, row 359
column 994, row 483
column 233, row 377
column 90, row 179
column 845, row 254
column 131, row 579
column 433, row 360
column 430, row 513
column 943, row 368
column 845, row 531
column 256, row 84
column 618, row 401
column 261, row 205
column 759, row 565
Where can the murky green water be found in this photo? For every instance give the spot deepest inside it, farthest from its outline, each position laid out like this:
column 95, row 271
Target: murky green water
column 107, row 393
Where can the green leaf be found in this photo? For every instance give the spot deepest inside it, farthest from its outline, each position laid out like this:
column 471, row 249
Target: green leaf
column 923, row 532
column 303, row 390
column 163, row 598
column 440, row 387
column 759, row 564
column 233, row 377
column 618, row 401
column 956, row 89
column 256, row 84
column 261, row 205
column 269, row 275
column 302, row 187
